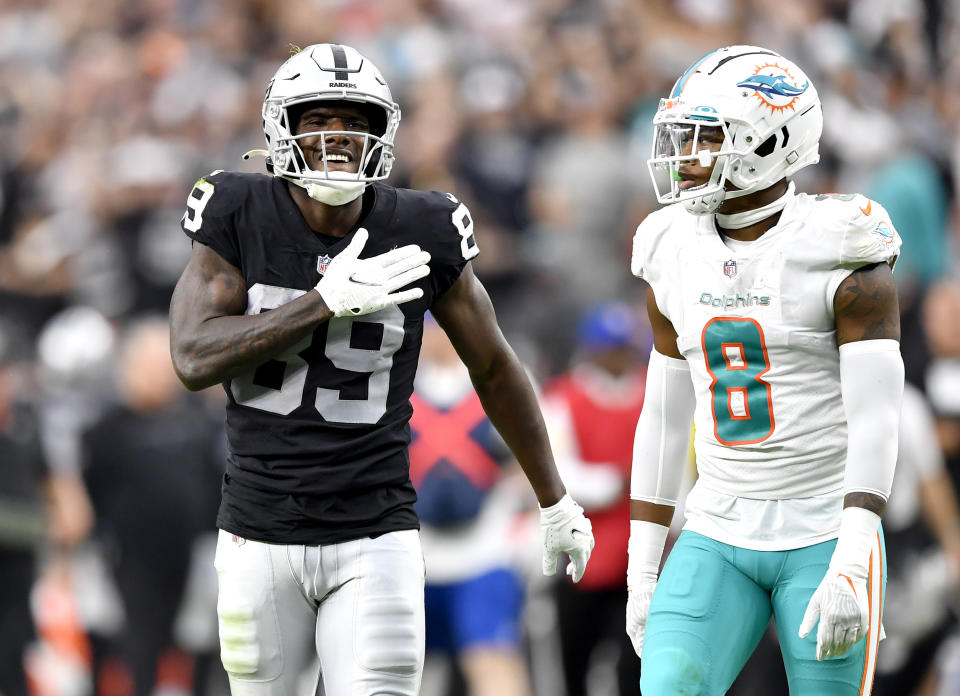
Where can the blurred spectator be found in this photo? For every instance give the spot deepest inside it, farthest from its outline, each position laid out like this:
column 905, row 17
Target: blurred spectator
column 922, row 535
column 474, row 595
column 153, row 464
column 492, row 161
column 592, row 414
column 37, row 505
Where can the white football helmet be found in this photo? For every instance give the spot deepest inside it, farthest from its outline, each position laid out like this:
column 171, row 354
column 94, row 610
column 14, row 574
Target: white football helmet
column 769, row 114
column 336, row 73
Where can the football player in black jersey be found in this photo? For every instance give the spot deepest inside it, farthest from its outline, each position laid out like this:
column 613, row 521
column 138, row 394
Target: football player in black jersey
column 305, row 297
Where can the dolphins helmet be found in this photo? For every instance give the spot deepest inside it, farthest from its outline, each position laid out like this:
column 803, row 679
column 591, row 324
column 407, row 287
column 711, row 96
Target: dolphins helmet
column 336, row 73
column 769, row 115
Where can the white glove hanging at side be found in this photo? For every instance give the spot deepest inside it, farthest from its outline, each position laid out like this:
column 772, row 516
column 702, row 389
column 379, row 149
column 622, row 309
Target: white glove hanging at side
column 644, row 550
column 841, row 603
column 564, row 528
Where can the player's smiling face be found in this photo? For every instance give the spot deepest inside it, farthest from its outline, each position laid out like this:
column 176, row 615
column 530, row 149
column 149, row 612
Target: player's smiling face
column 691, row 172
column 343, row 151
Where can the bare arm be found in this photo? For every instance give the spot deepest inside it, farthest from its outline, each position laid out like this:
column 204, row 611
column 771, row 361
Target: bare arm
column 211, row 340
column 467, row 316
column 941, row 514
column 665, row 343
column 866, row 308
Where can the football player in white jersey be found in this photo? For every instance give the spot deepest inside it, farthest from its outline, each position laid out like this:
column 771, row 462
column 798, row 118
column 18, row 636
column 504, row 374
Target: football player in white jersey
column 776, row 330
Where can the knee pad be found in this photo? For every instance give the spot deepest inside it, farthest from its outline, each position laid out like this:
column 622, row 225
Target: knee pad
column 247, row 617
column 389, row 635
column 672, row 672
column 390, row 618
column 239, row 650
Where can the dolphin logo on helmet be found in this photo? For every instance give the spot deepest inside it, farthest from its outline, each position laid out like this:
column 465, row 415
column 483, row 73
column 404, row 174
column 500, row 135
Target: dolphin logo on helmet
column 773, row 85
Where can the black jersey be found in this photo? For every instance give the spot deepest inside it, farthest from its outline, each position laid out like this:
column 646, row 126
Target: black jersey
column 319, row 434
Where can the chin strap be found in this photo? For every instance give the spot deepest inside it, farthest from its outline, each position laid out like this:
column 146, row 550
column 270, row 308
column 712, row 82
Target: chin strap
column 737, row 221
column 331, row 191
column 704, row 205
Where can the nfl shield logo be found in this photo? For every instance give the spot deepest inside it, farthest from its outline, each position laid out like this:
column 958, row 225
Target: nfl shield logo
column 322, row 263
column 730, row 268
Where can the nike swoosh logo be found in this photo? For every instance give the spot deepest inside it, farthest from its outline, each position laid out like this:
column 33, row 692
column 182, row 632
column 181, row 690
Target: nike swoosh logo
column 866, row 211
column 841, row 575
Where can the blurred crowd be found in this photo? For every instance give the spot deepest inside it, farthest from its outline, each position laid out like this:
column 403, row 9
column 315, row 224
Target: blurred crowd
column 537, row 114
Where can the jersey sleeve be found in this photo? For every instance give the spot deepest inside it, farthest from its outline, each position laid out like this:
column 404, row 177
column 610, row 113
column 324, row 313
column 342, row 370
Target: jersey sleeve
column 208, row 218
column 451, row 240
column 868, row 235
column 653, row 255
column 649, row 246
column 856, row 232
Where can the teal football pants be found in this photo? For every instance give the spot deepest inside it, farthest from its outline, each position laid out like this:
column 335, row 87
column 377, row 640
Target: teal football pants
column 713, row 603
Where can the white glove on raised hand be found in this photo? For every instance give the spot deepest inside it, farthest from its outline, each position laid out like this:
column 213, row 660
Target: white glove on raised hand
column 353, row 286
column 643, row 552
column 563, row 527
column 841, row 602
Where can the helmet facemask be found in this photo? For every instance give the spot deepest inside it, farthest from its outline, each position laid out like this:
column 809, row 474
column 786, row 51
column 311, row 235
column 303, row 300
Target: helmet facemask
column 334, row 186
column 697, row 141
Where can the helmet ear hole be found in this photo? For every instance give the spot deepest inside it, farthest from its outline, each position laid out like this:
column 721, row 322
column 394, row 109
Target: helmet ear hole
column 766, row 147
column 376, row 117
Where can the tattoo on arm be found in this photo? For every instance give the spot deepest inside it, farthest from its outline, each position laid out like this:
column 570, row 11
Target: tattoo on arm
column 865, row 305
column 212, row 340
column 868, row 501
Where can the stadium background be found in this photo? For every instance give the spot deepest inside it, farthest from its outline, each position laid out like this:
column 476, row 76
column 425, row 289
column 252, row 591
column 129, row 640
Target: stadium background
column 536, row 113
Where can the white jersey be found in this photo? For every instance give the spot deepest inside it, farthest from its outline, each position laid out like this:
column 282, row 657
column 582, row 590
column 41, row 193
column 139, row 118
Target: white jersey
column 757, row 327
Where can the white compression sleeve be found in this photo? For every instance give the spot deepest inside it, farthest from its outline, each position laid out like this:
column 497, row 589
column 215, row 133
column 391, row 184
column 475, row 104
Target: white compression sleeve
column 663, row 431
column 871, row 382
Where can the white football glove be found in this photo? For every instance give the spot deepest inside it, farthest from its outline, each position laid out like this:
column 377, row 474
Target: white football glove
column 563, row 527
column 643, row 563
column 840, row 602
column 353, row 286
column 638, row 607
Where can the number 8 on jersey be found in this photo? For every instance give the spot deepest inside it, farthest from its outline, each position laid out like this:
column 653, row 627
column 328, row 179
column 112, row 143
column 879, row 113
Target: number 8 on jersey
column 736, row 357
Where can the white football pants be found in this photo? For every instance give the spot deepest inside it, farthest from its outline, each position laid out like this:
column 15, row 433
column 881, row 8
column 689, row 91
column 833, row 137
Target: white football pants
column 359, row 602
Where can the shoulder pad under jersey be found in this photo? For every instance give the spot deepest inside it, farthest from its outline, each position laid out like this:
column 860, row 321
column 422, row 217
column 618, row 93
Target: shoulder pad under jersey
column 856, row 229
column 440, row 224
